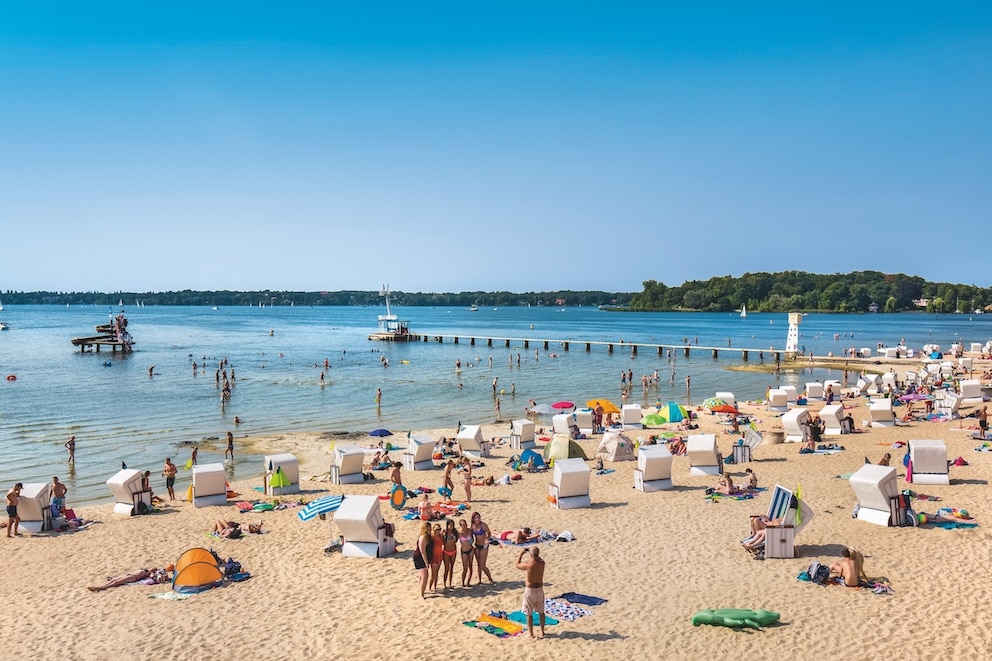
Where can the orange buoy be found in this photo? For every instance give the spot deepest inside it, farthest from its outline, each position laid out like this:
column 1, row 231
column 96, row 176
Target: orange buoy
column 11, row 377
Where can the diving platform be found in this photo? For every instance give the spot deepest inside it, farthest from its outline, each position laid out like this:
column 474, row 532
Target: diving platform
column 113, row 335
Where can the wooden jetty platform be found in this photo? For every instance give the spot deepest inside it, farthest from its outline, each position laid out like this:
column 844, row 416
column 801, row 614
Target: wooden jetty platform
column 96, row 341
column 611, row 347
column 113, row 335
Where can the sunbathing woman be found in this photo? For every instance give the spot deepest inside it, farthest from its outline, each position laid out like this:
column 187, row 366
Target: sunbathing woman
column 227, row 528
column 450, row 547
column 481, row 534
column 466, row 550
column 518, row 536
column 725, row 485
column 157, row 575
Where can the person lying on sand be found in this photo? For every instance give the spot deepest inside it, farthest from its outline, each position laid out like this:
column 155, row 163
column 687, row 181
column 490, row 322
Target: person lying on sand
column 519, row 535
column 233, row 529
column 158, row 575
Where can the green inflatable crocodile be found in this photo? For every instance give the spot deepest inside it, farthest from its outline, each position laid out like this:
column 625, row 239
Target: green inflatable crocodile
column 735, row 617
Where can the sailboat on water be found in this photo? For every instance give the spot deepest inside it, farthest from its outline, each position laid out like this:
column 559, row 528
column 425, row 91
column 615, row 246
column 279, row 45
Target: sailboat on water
column 743, row 311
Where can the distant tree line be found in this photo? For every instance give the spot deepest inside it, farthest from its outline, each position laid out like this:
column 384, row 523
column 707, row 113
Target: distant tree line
column 317, row 298
column 761, row 292
column 799, row 291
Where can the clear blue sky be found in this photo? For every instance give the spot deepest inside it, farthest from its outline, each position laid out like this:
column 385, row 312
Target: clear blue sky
column 449, row 146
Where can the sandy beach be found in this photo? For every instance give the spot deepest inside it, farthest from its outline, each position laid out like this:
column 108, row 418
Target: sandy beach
column 656, row 557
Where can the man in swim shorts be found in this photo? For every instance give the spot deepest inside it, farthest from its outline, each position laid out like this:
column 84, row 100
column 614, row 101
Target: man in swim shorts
column 13, row 496
column 58, row 497
column 534, row 586
column 169, row 471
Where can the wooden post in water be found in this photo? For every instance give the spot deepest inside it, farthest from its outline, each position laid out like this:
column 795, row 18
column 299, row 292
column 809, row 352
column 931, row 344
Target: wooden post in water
column 588, row 346
column 744, row 355
column 507, row 343
column 610, row 348
column 661, row 350
column 545, row 345
column 715, row 351
column 685, row 351
column 565, row 346
column 633, row 349
column 489, row 342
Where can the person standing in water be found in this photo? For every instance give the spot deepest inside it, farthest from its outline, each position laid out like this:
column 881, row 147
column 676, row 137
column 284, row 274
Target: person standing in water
column 70, row 445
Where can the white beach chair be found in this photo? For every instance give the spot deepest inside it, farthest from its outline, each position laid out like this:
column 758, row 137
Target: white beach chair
column 778, row 400
column 348, row 466
column 814, row 391
column 949, row 405
column 796, row 423
column 929, row 462
column 654, row 469
column 359, row 519
column 209, row 485
column 630, row 416
column 34, row 507
column 570, row 484
column 780, row 539
column 472, row 443
column 791, row 396
column 832, row 416
column 874, row 486
column 881, row 413
column 889, row 382
column 419, row 455
column 727, row 396
column 522, row 435
column 966, row 364
column 125, row 487
column 290, row 468
column 971, row 391
column 704, row 457
column 743, row 451
column 584, row 421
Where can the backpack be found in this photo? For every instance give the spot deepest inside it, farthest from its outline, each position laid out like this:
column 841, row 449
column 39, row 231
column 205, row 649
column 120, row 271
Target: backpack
column 818, row 573
column 231, row 567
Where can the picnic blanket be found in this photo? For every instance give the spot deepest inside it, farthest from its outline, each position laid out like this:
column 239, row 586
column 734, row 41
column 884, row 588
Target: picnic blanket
column 737, row 495
column 564, row 610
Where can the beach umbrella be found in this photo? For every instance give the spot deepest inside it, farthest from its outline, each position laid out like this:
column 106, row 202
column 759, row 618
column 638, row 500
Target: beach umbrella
column 608, row 406
column 542, row 409
column 563, row 405
column 710, row 402
column 320, row 506
column 725, row 408
column 380, row 432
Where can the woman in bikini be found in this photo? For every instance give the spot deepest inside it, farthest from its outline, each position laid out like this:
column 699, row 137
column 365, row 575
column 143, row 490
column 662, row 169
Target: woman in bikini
column 421, row 554
column 450, row 550
column 437, row 553
column 466, row 550
column 480, row 540
column 468, row 479
column 448, row 482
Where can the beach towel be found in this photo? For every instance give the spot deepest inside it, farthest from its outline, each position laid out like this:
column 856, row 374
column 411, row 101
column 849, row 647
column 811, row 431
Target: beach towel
column 740, row 495
column 488, row 628
column 584, row 599
column 521, row 617
column 543, row 536
column 171, row 595
column 563, row 610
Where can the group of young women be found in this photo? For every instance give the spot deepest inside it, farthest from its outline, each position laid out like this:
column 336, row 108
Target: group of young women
column 437, row 547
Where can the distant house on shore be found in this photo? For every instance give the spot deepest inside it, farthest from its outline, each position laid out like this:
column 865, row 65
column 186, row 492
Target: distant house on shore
column 873, row 307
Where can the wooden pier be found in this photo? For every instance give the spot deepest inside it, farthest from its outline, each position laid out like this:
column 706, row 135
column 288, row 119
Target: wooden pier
column 611, row 347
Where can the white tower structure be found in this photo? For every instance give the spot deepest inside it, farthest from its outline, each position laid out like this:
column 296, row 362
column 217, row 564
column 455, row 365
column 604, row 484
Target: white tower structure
column 792, row 340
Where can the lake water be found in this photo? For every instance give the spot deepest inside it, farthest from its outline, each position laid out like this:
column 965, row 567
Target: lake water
column 118, row 413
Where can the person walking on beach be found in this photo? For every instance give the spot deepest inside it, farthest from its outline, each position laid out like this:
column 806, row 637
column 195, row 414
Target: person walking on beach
column 230, row 444
column 70, row 445
column 169, row 471
column 533, row 567
column 983, row 420
column 13, row 497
